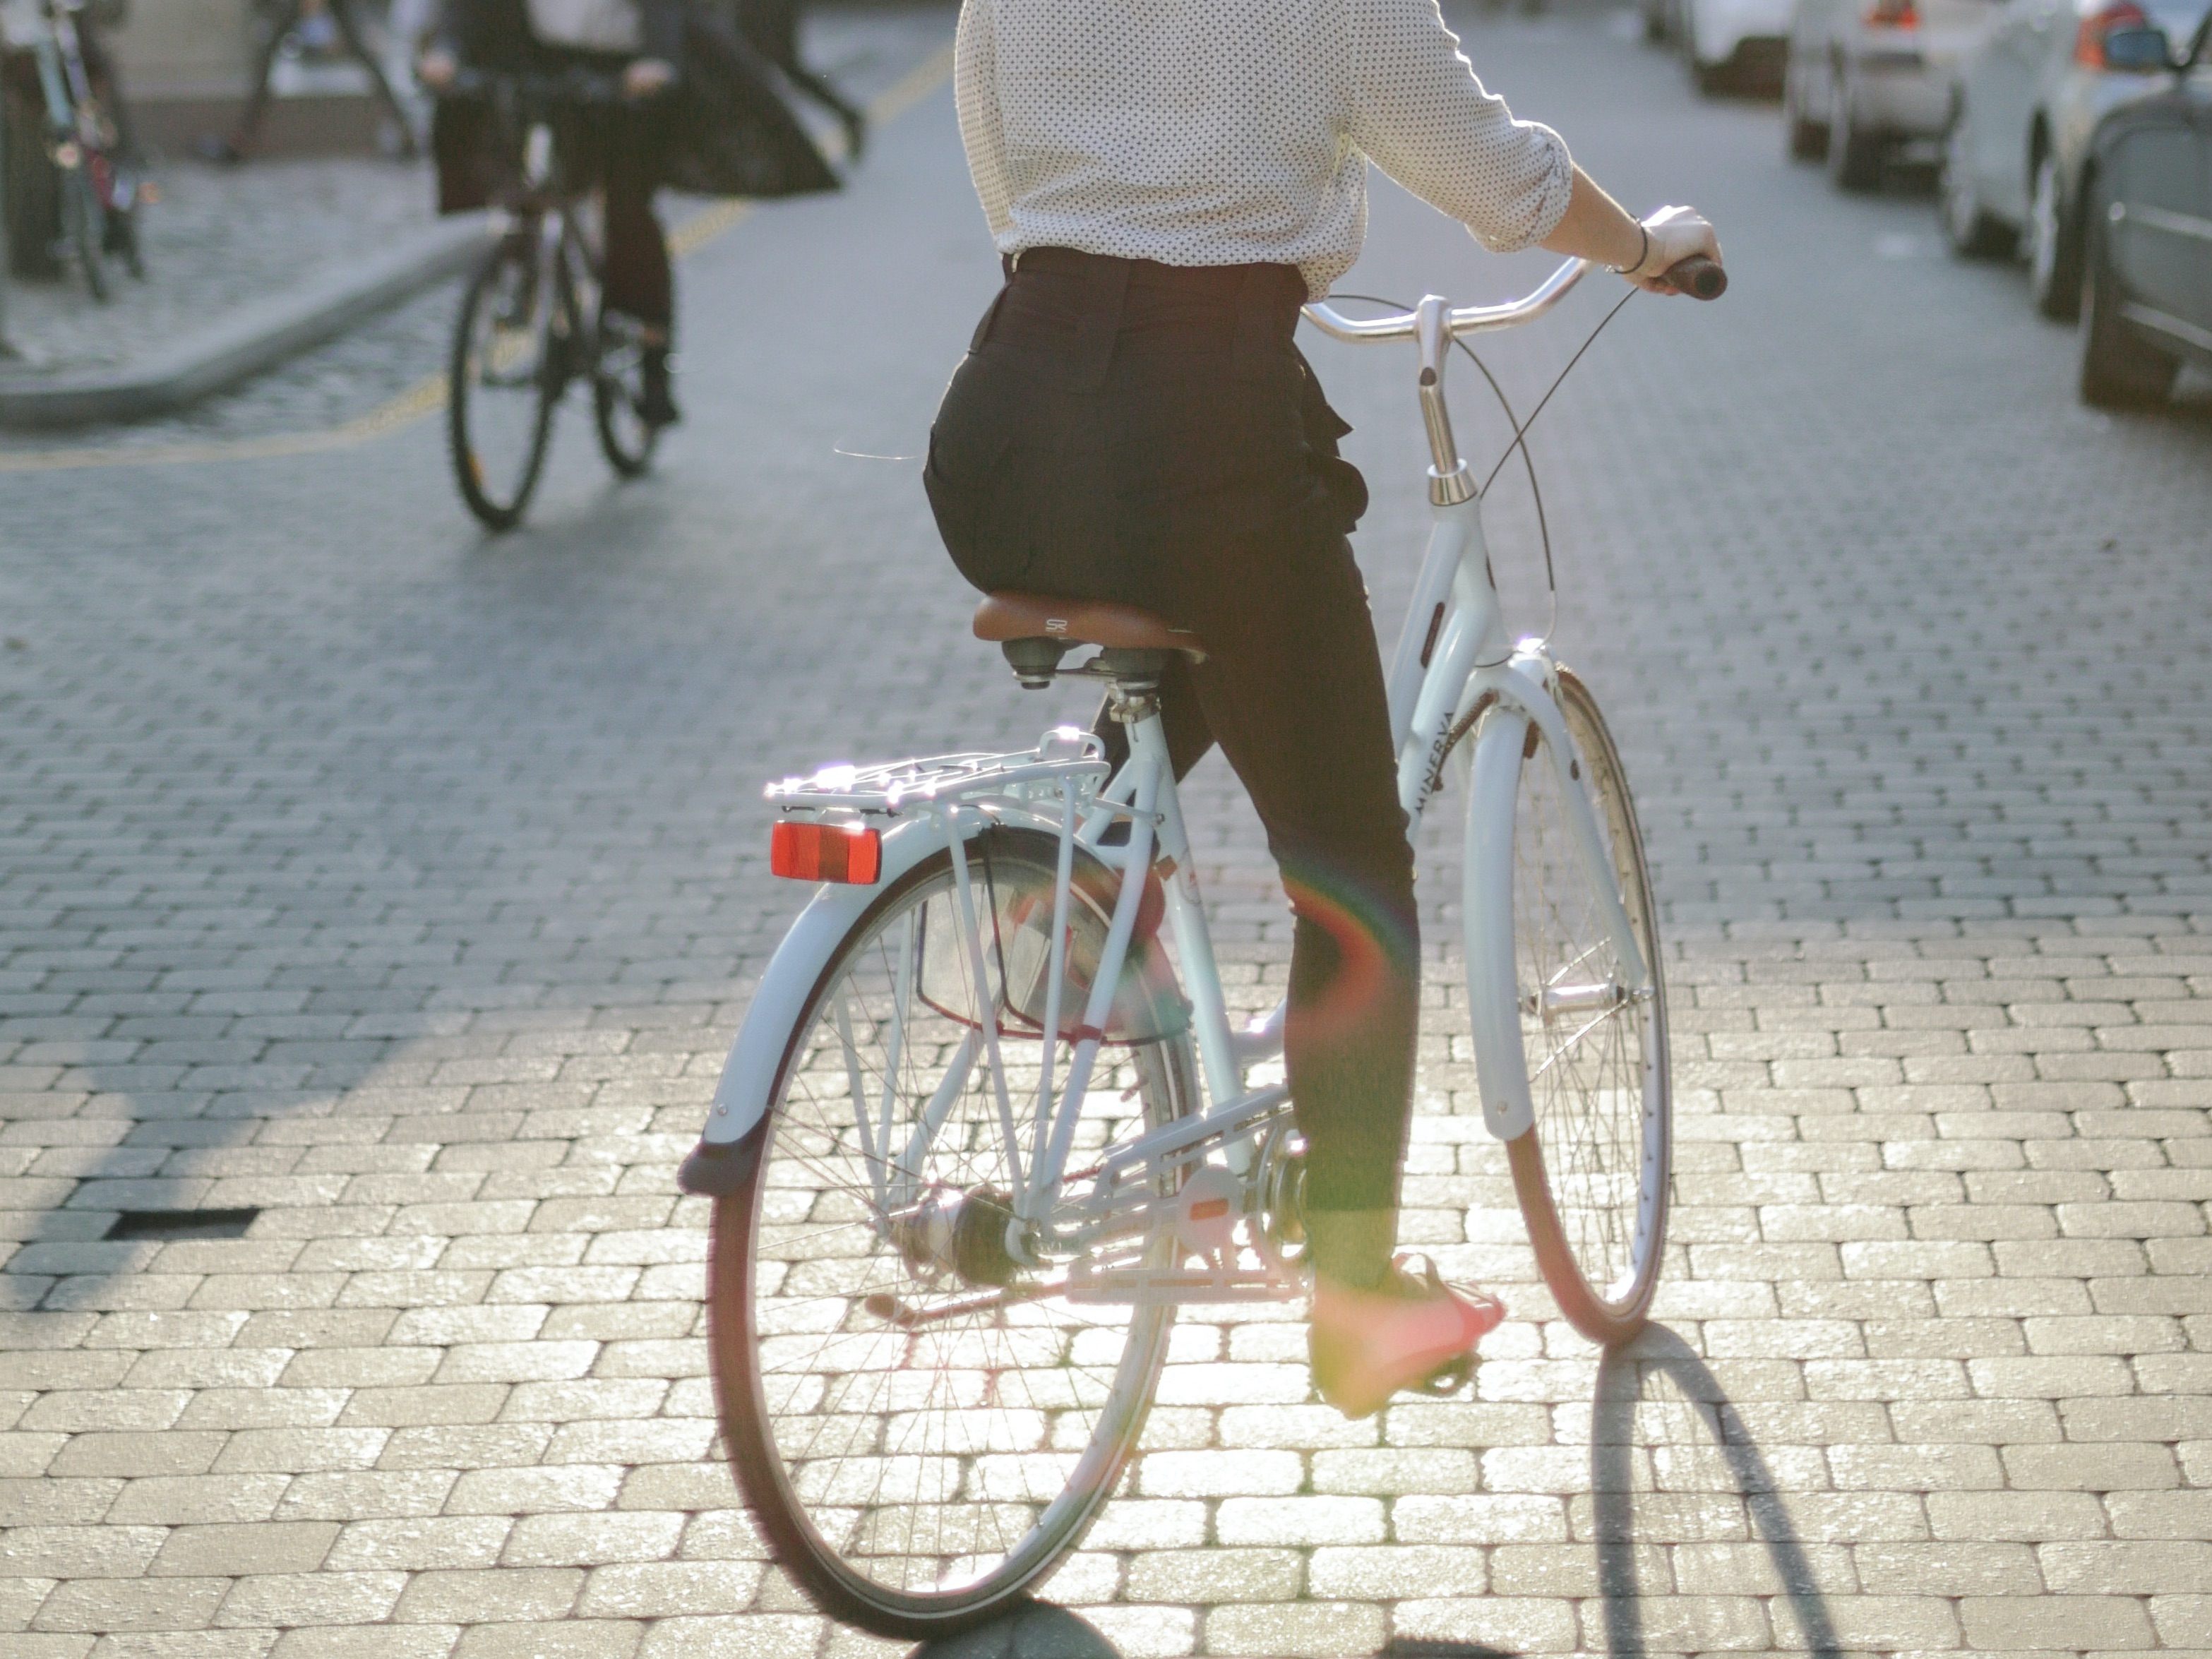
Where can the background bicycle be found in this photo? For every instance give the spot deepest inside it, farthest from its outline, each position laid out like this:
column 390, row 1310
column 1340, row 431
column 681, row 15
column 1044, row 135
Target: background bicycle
column 532, row 322
column 71, row 191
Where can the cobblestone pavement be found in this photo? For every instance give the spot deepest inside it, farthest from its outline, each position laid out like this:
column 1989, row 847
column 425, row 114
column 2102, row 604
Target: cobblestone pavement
column 409, row 886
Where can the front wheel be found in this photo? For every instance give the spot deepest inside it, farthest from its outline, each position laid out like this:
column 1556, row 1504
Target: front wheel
column 923, row 1424
column 1803, row 138
column 2054, row 246
column 1854, row 155
column 87, row 228
column 504, row 377
column 1971, row 229
column 1592, row 1172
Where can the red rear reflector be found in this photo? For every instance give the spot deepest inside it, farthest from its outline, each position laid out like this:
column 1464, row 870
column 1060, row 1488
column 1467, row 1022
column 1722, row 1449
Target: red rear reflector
column 1209, row 1209
column 826, row 852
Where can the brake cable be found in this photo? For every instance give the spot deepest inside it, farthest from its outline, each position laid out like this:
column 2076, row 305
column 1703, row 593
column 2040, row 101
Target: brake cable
column 1521, row 436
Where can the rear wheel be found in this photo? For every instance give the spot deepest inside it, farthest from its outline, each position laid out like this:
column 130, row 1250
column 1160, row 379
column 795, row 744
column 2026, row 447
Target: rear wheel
column 2119, row 368
column 504, row 378
column 626, row 437
column 921, row 1426
column 1592, row 1173
column 120, row 191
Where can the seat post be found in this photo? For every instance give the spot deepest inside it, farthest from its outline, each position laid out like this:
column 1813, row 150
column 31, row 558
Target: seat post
column 1133, row 681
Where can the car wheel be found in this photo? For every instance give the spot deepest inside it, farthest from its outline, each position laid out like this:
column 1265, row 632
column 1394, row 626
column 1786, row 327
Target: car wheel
column 1973, row 230
column 2054, row 248
column 2119, row 368
column 1854, row 156
column 1804, row 140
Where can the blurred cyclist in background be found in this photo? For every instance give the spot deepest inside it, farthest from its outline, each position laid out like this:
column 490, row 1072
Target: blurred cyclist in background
column 639, row 41
column 702, row 113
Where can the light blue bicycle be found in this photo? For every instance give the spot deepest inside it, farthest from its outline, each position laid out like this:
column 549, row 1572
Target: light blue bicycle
column 988, row 1125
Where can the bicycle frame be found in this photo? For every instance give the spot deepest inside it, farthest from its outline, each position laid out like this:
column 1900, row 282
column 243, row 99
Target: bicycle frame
column 1453, row 667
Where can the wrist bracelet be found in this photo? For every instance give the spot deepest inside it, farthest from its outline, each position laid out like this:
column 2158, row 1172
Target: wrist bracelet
column 1643, row 254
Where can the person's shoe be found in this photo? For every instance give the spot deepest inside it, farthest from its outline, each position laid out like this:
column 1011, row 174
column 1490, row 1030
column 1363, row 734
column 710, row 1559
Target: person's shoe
column 1409, row 1331
column 656, row 403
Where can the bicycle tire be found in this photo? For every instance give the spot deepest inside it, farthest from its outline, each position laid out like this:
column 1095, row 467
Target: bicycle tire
column 1593, row 1172
column 626, row 438
column 468, row 403
column 86, row 229
column 764, row 1313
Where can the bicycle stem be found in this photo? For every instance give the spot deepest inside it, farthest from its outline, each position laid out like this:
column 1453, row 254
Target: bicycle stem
column 1450, row 482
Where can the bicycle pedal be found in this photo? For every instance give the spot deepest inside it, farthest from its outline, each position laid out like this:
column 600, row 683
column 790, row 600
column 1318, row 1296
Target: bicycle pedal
column 1448, row 1378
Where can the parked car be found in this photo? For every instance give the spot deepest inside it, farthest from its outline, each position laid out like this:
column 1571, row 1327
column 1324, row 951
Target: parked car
column 1731, row 45
column 2026, row 105
column 2146, row 224
column 1866, row 78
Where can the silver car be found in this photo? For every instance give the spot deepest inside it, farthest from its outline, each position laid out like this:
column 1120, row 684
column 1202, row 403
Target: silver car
column 1866, row 78
column 2024, row 107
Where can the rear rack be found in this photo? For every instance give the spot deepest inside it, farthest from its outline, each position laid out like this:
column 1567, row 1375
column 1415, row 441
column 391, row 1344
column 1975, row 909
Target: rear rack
column 1065, row 755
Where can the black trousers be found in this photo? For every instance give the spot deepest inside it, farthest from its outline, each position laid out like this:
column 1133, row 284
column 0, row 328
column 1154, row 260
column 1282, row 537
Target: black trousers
column 640, row 282
column 618, row 147
column 1129, row 431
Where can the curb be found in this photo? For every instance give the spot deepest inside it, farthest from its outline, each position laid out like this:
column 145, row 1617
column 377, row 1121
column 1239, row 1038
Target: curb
column 253, row 338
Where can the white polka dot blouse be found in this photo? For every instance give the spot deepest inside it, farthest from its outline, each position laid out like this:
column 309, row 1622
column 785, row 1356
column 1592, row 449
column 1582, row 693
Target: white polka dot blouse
column 1214, row 132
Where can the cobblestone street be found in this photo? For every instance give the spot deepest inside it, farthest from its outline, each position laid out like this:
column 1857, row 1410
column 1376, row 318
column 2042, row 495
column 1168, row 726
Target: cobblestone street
column 408, row 886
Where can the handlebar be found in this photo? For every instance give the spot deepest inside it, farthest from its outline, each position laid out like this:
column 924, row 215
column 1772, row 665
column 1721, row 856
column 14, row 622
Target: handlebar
column 1699, row 277
column 1696, row 276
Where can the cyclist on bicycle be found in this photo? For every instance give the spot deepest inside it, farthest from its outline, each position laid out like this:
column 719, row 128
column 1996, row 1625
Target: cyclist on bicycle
column 1134, row 423
column 639, row 41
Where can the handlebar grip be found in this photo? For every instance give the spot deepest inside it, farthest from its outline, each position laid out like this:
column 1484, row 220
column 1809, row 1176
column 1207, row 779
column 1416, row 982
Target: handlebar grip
column 1699, row 277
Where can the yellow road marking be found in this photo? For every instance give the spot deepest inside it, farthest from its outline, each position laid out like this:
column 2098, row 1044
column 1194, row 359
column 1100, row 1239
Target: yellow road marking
column 428, row 396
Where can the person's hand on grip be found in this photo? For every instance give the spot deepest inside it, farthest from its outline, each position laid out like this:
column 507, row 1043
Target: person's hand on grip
column 437, row 69
column 1674, row 234
column 644, row 76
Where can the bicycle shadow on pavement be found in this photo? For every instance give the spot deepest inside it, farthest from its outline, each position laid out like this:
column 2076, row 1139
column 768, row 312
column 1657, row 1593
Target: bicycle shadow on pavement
column 1031, row 1629
column 1037, row 1629
column 1669, row 1479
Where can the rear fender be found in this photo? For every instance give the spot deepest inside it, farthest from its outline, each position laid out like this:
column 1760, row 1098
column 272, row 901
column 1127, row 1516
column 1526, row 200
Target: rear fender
column 741, row 1099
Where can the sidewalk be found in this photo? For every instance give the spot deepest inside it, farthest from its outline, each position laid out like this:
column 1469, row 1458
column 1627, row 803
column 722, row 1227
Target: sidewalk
column 245, row 267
